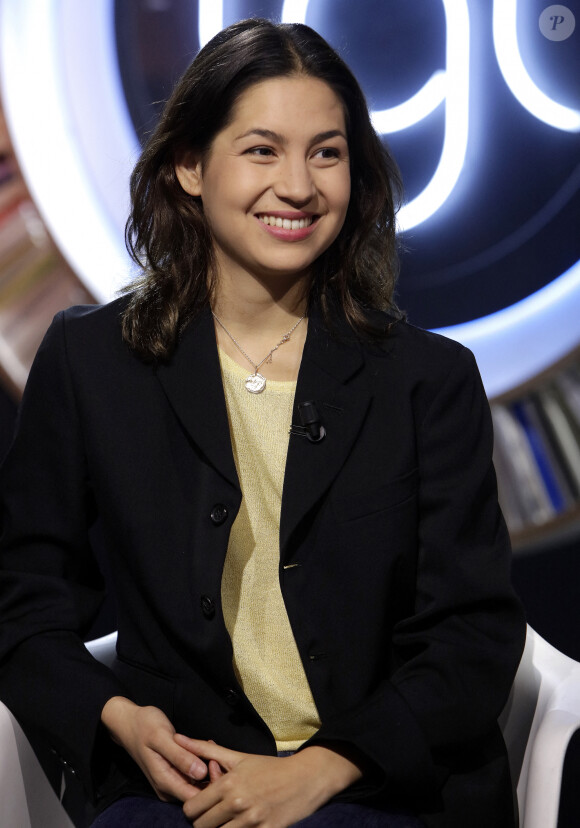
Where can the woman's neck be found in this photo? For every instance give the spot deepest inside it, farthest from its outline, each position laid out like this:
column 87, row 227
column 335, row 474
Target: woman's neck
column 248, row 303
column 257, row 320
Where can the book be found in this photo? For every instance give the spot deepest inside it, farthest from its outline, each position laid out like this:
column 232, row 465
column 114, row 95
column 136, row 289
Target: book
column 554, row 481
column 562, row 434
column 568, row 382
column 527, row 484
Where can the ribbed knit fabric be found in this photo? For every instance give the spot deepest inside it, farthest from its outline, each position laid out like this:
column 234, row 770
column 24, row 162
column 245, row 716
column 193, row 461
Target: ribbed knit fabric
column 266, row 658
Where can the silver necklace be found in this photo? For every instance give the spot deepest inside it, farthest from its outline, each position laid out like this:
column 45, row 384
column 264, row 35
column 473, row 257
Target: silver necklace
column 256, row 383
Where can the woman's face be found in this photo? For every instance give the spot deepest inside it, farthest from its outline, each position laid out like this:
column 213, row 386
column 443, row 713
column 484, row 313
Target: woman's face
column 275, row 186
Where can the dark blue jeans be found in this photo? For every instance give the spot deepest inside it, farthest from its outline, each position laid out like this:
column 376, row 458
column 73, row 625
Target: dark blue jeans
column 139, row 812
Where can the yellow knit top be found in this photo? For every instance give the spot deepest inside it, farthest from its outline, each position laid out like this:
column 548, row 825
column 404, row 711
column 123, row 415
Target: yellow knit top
column 266, row 659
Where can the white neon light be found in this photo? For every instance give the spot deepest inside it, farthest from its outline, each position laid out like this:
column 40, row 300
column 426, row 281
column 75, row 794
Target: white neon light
column 413, row 110
column 294, row 11
column 531, row 97
column 518, row 342
column 211, row 16
column 96, row 100
column 210, row 20
column 452, row 157
column 48, row 134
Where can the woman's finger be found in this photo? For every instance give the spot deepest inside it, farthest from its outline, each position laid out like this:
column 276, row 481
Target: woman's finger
column 215, row 771
column 201, row 806
column 184, row 760
column 168, row 783
column 209, row 750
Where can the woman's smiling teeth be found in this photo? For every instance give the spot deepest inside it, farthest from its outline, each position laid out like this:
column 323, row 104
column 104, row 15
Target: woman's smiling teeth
column 286, row 223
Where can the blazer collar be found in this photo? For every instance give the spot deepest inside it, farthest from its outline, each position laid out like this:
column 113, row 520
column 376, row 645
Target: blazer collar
column 330, row 374
column 193, row 385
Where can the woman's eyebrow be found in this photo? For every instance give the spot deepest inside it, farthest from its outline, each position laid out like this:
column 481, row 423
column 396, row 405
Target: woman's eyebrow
column 280, row 139
column 263, row 133
column 330, row 133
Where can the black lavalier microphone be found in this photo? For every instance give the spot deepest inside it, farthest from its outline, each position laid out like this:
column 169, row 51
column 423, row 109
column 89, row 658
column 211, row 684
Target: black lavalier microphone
column 311, row 426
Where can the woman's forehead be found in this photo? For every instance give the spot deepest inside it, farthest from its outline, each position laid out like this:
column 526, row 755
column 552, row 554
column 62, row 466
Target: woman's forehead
column 287, row 105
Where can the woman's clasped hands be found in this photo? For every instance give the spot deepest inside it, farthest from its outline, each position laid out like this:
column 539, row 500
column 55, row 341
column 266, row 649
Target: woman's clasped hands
column 264, row 791
column 219, row 786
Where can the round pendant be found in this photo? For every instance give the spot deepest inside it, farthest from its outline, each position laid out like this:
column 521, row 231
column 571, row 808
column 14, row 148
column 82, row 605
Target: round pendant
column 255, row 383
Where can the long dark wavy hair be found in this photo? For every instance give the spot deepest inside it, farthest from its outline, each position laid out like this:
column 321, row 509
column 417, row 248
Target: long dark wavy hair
column 167, row 233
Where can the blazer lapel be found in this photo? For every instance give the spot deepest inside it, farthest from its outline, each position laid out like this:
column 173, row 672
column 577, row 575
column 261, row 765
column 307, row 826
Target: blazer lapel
column 193, row 385
column 331, row 375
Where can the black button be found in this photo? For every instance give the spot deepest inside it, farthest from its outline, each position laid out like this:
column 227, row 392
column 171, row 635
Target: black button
column 232, row 696
column 218, row 514
column 207, row 606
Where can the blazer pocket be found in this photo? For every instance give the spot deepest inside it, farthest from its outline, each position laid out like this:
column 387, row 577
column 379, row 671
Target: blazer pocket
column 146, row 686
column 379, row 498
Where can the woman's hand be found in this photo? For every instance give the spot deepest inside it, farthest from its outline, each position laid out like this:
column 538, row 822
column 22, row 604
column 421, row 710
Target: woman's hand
column 146, row 733
column 262, row 791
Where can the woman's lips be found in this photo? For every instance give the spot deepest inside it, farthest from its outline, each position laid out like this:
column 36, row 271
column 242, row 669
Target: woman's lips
column 285, row 227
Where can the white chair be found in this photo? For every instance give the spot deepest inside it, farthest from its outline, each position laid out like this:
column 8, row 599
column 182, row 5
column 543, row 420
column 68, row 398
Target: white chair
column 542, row 714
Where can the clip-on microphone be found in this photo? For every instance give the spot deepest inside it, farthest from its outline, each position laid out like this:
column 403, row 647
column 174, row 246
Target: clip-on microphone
column 311, row 426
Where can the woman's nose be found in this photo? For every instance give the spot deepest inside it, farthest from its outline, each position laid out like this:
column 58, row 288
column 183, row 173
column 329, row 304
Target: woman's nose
column 294, row 182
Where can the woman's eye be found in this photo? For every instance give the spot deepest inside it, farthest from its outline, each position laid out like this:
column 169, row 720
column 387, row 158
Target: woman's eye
column 261, row 152
column 327, row 153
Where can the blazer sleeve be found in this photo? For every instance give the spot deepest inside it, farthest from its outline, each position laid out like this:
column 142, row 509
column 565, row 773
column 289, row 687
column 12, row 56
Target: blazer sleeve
column 457, row 653
column 50, row 586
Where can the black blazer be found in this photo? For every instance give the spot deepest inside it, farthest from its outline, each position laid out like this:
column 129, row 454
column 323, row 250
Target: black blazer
column 399, row 595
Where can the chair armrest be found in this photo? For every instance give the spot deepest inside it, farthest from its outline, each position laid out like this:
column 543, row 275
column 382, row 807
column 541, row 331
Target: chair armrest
column 26, row 798
column 104, row 648
column 548, row 751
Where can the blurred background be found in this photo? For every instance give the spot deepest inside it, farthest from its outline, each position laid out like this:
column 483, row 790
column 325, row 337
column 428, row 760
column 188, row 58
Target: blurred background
column 480, row 103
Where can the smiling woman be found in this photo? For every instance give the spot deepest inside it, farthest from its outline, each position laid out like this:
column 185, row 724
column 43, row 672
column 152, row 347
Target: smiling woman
column 312, row 583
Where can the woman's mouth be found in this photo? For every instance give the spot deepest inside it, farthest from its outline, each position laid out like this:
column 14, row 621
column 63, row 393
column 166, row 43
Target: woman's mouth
column 287, row 223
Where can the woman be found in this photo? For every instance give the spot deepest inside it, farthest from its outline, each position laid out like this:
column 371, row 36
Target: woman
column 320, row 616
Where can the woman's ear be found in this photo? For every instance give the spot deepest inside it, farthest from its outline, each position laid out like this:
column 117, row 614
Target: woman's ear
column 188, row 172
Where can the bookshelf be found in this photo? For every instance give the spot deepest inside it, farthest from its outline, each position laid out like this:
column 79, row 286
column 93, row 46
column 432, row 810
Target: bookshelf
column 35, row 280
column 537, row 455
